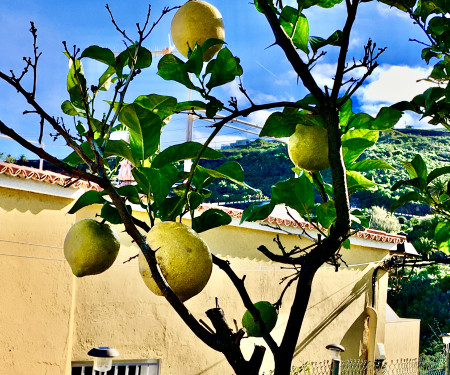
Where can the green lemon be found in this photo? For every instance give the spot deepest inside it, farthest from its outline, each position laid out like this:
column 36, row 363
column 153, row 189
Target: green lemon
column 196, row 22
column 268, row 315
column 183, row 257
column 91, row 247
column 308, row 147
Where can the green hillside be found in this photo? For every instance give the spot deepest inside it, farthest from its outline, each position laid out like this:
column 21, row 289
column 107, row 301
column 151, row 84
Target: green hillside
column 266, row 163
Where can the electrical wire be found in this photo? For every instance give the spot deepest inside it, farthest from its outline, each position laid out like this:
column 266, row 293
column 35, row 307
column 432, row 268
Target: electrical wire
column 253, row 268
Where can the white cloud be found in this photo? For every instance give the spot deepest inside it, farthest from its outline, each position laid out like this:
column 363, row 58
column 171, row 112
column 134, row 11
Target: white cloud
column 258, row 118
column 391, row 83
column 324, row 74
column 413, row 120
column 232, row 89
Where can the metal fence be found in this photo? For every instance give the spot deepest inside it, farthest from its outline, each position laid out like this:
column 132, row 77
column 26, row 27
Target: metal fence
column 435, row 366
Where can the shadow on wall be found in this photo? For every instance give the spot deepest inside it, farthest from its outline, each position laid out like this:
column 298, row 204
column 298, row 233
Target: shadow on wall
column 362, row 286
column 24, row 201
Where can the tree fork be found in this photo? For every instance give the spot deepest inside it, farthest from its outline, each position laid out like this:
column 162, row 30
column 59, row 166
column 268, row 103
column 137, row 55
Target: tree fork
column 231, row 348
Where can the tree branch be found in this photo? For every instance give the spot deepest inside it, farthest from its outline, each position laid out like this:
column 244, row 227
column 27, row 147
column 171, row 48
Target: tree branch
column 239, row 285
column 283, row 40
column 351, row 15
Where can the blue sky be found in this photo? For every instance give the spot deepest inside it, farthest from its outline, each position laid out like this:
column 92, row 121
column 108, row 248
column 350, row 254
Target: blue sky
column 267, row 74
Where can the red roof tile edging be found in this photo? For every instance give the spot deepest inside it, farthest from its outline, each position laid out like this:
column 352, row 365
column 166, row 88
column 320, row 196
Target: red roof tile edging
column 45, row 176
column 368, row 234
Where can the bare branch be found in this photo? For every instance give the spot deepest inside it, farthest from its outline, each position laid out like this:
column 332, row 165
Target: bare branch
column 239, row 284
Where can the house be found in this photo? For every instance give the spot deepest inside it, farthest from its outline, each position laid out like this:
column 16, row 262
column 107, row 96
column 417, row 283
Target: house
column 50, row 319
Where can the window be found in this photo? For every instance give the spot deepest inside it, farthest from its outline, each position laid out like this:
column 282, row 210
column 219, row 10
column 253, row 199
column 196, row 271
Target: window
column 130, row 367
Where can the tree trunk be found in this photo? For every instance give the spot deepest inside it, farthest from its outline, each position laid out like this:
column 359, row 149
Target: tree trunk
column 285, row 354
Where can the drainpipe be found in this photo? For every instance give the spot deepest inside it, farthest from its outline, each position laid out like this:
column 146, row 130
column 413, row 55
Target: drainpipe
column 373, row 322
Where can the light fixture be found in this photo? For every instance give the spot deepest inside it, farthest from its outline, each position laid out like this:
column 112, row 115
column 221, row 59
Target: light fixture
column 446, row 338
column 336, row 351
column 103, row 356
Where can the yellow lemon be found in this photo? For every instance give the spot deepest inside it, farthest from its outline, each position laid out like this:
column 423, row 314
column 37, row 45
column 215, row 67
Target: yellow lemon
column 183, row 257
column 91, row 247
column 268, row 315
column 308, row 147
column 196, row 22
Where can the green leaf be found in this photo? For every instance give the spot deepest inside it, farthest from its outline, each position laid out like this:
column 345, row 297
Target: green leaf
column 143, row 59
column 334, row 39
column 190, row 105
column 104, row 82
column 356, row 181
column 145, row 129
column 258, row 211
column 436, row 173
column 141, row 179
column 125, row 58
column 367, row 165
column 354, row 142
column 195, row 199
column 120, row 148
column 213, row 106
column 69, row 109
column 223, row 69
column 442, row 236
column 416, row 167
column 184, row 151
column 88, row 198
column 346, row 244
column 326, row 214
column 230, row 171
column 386, row 118
column 210, row 219
column 195, row 61
column 296, row 27
column 161, row 105
column 110, row 213
column 416, row 182
column 165, row 211
column 101, row 54
column 131, row 193
column 412, row 196
column 345, row 112
column 297, row 193
column 73, row 158
column 161, row 181
column 171, row 68
column 283, row 124
column 76, row 83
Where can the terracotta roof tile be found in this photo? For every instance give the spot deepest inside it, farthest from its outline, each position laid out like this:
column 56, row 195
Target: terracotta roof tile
column 368, row 234
column 45, row 176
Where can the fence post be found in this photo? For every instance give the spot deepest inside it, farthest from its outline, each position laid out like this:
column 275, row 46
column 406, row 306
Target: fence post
column 336, row 351
column 446, row 340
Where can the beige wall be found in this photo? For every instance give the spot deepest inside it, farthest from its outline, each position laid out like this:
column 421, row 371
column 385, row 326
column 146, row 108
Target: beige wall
column 402, row 339
column 54, row 318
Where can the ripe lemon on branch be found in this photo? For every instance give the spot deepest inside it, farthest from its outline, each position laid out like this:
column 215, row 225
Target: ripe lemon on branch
column 196, row 22
column 308, row 147
column 183, row 257
column 91, row 247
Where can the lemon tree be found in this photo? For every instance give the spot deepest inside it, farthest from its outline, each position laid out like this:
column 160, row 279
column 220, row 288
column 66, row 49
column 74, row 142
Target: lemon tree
column 91, row 247
column 323, row 122
column 184, row 259
column 194, row 23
